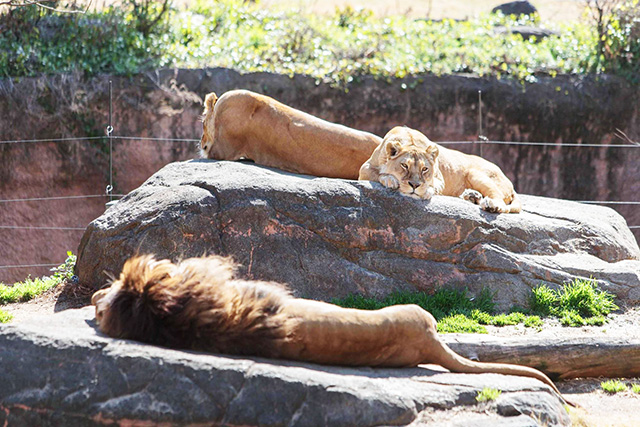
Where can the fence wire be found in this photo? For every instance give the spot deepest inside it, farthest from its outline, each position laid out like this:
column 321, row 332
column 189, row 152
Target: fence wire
column 110, row 137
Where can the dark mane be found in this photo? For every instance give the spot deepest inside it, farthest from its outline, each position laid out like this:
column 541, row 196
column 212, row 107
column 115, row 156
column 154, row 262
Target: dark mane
column 196, row 305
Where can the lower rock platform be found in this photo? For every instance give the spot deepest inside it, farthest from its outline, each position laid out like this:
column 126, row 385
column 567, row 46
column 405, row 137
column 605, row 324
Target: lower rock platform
column 59, row 370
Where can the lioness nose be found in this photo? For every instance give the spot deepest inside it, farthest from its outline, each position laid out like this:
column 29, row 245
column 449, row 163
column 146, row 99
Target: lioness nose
column 414, row 184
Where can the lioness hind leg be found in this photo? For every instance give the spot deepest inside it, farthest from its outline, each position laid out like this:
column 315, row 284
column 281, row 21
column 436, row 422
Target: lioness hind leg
column 472, row 196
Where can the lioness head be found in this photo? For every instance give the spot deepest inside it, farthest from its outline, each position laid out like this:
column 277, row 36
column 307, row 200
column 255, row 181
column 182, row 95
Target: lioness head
column 410, row 158
column 206, row 142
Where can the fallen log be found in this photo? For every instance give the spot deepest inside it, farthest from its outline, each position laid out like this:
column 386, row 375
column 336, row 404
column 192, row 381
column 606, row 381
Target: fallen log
column 559, row 358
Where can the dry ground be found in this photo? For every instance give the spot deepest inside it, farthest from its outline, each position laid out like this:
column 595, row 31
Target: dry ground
column 598, row 409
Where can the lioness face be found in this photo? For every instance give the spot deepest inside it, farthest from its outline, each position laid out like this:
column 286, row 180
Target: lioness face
column 410, row 163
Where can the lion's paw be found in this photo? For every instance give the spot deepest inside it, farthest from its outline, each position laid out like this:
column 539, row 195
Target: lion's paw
column 472, row 196
column 389, row 181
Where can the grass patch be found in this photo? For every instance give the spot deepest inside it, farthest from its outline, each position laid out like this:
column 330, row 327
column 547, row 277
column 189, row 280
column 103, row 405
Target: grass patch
column 635, row 388
column 577, row 303
column 613, row 386
column 5, row 317
column 488, row 394
column 459, row 323
column 31, row 288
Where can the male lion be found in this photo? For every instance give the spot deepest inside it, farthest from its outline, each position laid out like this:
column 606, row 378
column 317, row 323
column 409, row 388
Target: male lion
column 407, row 160
column 198, row 305
column 242, row 124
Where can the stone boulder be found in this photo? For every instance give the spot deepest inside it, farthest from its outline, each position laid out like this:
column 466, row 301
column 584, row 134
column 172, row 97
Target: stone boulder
column 329, row 238
column 57, row 369
column 520, row 7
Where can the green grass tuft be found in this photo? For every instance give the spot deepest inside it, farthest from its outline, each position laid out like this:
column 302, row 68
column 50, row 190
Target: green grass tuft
column 5, row 317
column 488, row 394
column 613, row 386
column 577, row 303
column 635, row 388
column 31, row 288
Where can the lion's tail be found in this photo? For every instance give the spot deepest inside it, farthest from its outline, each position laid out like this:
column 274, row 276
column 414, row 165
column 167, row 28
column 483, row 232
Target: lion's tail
column 209, row 102
column 455, row 363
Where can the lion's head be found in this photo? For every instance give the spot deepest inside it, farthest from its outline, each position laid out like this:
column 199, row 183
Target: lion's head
column 195, row 304
column 206, row 142
column 410, row 158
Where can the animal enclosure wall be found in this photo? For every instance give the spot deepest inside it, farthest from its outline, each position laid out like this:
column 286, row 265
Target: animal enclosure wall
column 167, row 104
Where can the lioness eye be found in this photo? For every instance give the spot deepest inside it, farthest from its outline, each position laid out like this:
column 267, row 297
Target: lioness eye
column 424, row 169
column 404, row 166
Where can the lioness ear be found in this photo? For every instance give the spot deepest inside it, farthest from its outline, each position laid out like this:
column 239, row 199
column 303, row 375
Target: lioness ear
column 392, row 148
column 209, row 102
column 432, row 151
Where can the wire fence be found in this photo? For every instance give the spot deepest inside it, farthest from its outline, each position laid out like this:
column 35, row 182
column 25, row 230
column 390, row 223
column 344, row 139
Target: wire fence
column 482, row 141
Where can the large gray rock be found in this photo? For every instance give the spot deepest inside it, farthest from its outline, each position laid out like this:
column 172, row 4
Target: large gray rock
column 519, row 7
column 58, row 370
column 329, row 238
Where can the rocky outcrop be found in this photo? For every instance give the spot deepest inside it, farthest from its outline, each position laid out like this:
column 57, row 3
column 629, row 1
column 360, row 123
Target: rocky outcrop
column 58, row 370
column 328, row 238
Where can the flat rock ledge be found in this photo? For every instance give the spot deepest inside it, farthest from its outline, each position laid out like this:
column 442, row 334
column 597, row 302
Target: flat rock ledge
column 329, row 238
column 57, row 369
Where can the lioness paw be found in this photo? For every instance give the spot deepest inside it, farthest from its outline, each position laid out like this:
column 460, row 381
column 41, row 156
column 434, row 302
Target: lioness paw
column 389, row 181
column 429, row 193
column 493, row 206
column 472, row 196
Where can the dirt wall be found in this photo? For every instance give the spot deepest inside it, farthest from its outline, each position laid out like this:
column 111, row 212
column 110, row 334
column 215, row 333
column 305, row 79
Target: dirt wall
column 167, row 104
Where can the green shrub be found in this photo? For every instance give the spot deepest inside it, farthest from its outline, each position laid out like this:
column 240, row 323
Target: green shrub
column 617, row 26
column 635, row 388
column 338, row 49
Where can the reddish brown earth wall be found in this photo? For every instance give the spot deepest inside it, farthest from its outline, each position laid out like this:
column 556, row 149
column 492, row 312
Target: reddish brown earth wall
column 167, row 104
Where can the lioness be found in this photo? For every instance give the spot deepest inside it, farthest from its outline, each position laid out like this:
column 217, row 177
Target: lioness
column 197, row 304
column 242, row 124
column 407, row 160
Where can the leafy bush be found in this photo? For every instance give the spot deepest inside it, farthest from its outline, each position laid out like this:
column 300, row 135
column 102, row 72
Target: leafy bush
column 617, row 24
column 35, row 40
column 241, row 35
